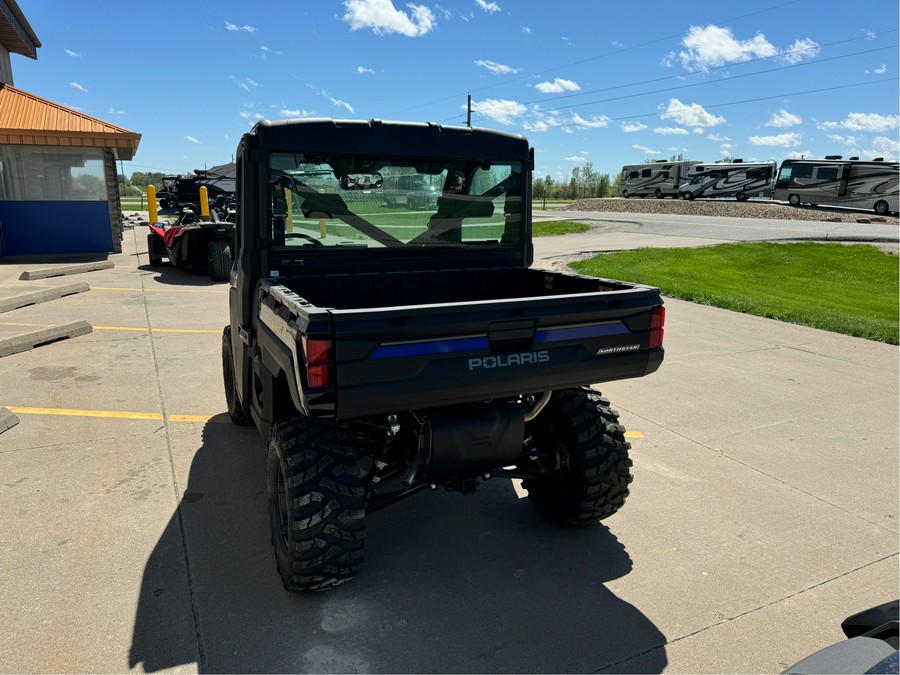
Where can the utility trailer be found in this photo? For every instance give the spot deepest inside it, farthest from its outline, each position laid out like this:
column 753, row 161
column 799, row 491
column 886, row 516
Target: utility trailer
column 383, row 353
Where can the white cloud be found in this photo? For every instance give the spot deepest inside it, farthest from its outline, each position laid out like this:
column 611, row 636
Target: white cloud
column 526, row 29
column 269, row 50
column 234, row 28
column 631, row 127
column 79, row 87
column 699, row 130
column 381, row 17
column 800, row 50
column 113, row 111
column 798, row 154
column 341, row 104
column 542, row 122
column 717, row 137
column 783, row 119
column 575, row 158
column 294, row 112
column 74, row 55
column 882, row 146
column 645, row 149
column 872, row 122
column 692, row 115
column 245, row 84
column 880, row 70
column 499, row 110
column 671, row 131
column 496, row 68
column 789, row 140
column 244, row 114
column 595, row 122
column 843, row 140
column 489, row 7
column 714, row 46
column 364, row 71
column 558, row 86
column 192, row 140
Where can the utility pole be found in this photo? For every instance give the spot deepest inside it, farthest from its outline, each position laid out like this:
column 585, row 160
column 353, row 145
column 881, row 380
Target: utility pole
column 469, row 112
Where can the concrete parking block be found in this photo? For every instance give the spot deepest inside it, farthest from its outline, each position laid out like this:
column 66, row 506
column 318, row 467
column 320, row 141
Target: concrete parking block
column 45, row 295
column 63, row 270
column 7, row 420
column 27, row 341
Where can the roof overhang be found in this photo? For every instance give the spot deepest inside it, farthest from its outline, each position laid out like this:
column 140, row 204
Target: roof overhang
column 15, row 31
column 26, row 119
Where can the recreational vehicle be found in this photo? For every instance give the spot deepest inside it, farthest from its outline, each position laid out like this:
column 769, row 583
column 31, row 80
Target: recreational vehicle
column 840, row 182
column 736, row 179
column 656, row 179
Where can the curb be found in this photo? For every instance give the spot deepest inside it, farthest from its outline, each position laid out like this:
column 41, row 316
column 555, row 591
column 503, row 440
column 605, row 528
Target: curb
column 35, row 297
column 7, row 420
column 27, row 341
column 47, row 272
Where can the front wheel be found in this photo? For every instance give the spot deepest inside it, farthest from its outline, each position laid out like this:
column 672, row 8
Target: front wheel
column 881, row 208
column 742, row 196
column 794, row 200
column 579, row 440
column 155, row 250
column 625, row 194
column 317, row 504
column 658, row 194
column 689, row 196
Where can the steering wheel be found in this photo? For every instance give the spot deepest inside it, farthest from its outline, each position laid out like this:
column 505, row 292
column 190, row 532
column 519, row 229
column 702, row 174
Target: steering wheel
column 301, row 235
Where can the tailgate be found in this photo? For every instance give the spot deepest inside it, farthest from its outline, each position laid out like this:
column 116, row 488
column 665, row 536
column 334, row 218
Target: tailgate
column 407, row 358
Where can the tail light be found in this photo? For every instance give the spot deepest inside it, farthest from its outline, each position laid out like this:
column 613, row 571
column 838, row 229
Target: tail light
column 318, row 357
column 657, row 323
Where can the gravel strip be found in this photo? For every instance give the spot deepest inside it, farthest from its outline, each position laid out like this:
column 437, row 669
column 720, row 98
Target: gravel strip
column 723, row 208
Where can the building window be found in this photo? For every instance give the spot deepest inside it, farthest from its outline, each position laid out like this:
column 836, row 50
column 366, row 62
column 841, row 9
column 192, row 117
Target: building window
column 40, row 173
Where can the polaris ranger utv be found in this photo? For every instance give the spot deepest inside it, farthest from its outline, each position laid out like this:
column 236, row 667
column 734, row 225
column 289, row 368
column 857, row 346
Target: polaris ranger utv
column 384, row 351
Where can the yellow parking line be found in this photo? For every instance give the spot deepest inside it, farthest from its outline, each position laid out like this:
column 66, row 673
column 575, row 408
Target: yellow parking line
column 108, row 414
column 162, row 330
column 160, row 290
column 126, row 328
column 634, row 434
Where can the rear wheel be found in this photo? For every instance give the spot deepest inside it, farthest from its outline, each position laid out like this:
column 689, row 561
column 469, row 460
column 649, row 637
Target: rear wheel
column 742, row 196
column 317, row 504
column 625, row 194
column 881, row 207
column 658, row 194
column 794, row 200
column 689, row 196
column 218, row 256
column 235, row 411
column 579, row 439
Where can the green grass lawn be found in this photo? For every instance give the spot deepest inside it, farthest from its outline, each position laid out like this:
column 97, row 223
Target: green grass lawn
column 554, row 227
column 844, row 289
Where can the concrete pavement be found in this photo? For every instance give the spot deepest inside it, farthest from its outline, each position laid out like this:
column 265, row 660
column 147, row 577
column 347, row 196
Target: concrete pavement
column 763, row 511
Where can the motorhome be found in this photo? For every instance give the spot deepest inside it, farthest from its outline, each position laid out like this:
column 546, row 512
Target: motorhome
column 836, row 181
column 737, row 179
column 655, row 179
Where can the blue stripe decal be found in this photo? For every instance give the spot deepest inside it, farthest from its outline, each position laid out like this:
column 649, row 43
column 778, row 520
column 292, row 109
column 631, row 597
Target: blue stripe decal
column 580, row 332
column 426, row 348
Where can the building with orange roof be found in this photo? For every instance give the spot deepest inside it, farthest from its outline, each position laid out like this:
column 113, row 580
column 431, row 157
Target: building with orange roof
column 58, row 184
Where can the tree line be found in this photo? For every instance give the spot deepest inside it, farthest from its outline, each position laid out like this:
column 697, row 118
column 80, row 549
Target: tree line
column 584, row 184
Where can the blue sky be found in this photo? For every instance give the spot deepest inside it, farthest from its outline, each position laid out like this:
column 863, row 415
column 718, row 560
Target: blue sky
column 610, row 83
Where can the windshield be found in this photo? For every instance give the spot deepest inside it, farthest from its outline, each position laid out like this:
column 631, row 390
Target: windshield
column 356, row 201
